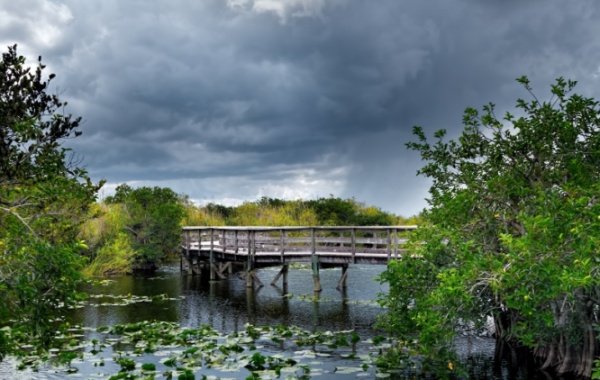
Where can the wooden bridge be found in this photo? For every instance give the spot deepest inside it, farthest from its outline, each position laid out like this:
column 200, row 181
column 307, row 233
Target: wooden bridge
column 219, row 251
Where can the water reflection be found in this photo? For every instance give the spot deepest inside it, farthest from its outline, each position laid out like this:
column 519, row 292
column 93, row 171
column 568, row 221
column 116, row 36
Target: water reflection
column 229, row 305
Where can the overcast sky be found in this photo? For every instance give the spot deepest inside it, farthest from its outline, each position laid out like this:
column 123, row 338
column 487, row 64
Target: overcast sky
column 230, row 100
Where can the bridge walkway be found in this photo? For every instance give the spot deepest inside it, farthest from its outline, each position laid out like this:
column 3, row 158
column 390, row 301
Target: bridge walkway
column 222, row 250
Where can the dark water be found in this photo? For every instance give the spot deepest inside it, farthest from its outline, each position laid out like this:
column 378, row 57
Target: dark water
column 228, row 306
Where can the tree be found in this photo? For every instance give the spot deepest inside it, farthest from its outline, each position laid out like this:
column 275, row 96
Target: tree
column 154, row 221
column 44, row 196
column 512, row 234
column 334, row 211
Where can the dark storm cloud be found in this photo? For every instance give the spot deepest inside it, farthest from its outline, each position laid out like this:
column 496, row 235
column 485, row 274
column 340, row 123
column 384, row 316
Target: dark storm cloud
column 230, row 100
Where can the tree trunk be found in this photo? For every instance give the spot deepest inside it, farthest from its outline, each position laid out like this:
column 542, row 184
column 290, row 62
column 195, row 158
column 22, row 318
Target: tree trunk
column 562, row 356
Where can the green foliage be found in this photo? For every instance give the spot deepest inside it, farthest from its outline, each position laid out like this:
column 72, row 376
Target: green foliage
column 43, row 278
column 259, row 362
column 110, row 246
column 272, row 212
column 125, row 363
column 209, row 215
column 153, row 223
column 278, row 212
column 31, row 126
column 512, row 234
column 44, row 197
column 115, row 257
column 347, row 212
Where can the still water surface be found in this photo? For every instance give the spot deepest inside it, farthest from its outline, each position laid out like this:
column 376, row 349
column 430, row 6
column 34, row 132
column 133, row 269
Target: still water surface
column 228, row 306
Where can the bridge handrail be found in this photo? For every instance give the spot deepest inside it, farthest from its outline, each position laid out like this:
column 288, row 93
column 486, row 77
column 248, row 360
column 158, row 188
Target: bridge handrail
column 297, row 228
column 248, row 240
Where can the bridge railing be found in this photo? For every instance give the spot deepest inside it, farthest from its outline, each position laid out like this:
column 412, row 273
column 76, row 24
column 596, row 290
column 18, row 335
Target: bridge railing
column 347, row 240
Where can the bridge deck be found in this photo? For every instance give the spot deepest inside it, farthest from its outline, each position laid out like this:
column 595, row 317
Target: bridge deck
column 256, row 247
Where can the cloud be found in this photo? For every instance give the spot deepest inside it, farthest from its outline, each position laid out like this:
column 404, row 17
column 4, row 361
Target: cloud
column 284, row 9
column 232, row 100
column 37, row 25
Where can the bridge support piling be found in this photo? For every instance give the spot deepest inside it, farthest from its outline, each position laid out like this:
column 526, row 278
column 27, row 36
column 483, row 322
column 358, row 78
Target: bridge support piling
column 211, row 265
column 186, row 243
column 249, row 278
column 185, row 264
column 190, row 266
column 217, row 270
column 342, row 282
column 315, row 270
column 250, row 264
column 283, row 272
column 257, row 280
column 315, row 261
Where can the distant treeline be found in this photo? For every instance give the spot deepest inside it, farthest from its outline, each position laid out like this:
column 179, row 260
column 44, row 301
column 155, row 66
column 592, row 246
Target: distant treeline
column 139, row 228
column 268, row 211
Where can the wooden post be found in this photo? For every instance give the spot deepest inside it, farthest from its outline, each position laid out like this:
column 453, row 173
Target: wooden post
column 395, row 243
column 285, row 278
column 342, row 281
column 315, row 261
column 212, row 255
column 190, row 262
column 190, row 266
column 186, row 243
column 218, row 270
column 389, row 244
column 282, row 272
column 250, row 263
column 236, row 241
column 375, row 239
column 199, row 241
column 353, row 244
column 281, row 243
column 315, row 270
column 223, row 243
column 313, row 245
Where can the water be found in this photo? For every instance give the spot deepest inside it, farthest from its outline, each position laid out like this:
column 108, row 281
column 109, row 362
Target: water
column 228, row 306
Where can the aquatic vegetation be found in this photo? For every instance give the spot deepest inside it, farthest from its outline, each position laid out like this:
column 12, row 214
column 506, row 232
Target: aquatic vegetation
column 66, row 357
column 98, row 300
column 190, row 353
